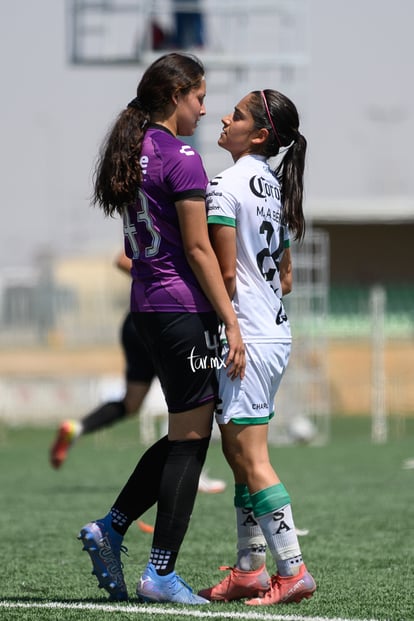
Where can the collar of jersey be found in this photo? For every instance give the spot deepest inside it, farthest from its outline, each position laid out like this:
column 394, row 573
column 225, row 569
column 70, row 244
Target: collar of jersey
column 161, row 127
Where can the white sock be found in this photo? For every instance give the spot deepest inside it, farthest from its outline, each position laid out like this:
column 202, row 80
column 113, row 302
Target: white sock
column 251, row 544
column 279, row 528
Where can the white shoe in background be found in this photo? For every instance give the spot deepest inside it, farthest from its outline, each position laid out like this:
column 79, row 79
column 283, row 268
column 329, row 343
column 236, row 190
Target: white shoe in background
column 210, row 486
column 302, row 532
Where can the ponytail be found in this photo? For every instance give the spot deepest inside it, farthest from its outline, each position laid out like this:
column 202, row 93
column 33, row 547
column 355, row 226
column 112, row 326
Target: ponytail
column 118, row 170
column 277, row 113
column 290, row 172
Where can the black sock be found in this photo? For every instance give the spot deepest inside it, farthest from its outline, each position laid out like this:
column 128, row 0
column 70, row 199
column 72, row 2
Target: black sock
column 104, row 416
column 142, row 488
column 178, row 490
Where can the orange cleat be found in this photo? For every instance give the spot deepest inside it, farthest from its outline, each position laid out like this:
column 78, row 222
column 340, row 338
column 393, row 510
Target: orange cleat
column 286, row 589
column 65, row 436
column 238, row 584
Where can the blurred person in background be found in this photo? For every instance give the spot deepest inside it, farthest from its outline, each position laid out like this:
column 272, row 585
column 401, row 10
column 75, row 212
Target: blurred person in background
column 189, row 24
column 139, row 374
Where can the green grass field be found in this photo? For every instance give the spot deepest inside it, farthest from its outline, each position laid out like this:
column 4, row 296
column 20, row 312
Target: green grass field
column 353, row 496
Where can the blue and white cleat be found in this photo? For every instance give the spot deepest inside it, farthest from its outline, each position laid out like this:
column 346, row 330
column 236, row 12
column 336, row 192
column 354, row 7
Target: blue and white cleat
column 104, row 546
column 170, row 588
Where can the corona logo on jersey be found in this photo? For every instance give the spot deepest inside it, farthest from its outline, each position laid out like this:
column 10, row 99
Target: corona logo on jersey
column 263, row 189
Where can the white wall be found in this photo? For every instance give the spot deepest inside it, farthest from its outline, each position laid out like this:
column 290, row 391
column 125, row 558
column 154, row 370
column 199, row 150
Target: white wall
column 53, row 118
column 359, row 119
column 361, row 98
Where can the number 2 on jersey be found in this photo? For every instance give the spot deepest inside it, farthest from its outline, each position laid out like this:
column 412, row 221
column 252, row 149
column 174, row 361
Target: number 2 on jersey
column 268, row 273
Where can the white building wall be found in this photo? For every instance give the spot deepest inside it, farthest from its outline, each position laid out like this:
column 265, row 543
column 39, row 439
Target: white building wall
column 358, row 117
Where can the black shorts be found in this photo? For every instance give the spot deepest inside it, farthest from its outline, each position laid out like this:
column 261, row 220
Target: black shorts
column 139, row 367
column 184, row 349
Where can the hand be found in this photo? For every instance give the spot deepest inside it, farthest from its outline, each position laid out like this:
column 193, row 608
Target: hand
column 236, row 359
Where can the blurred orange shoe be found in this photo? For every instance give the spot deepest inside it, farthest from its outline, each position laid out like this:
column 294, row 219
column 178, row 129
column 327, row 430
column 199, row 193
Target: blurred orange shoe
column 66, row 435
column 144, row 527
column 286, row 589
column 238, row 584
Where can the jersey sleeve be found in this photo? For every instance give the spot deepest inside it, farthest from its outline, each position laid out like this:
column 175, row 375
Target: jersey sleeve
column 186, row 174
column 221, row 205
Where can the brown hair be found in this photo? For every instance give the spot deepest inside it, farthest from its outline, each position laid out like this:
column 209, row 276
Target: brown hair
column 277, row 113
column 118, row 171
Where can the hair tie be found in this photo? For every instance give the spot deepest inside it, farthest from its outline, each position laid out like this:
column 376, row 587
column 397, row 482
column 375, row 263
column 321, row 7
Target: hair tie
column 135, row 103
column 270, row 118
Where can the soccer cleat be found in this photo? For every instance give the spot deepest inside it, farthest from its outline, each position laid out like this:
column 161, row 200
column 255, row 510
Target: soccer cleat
column 238, row 584
column 170, row 588
column 286, row 589
column 210, row 486
column 66, row 435
column 103, row 545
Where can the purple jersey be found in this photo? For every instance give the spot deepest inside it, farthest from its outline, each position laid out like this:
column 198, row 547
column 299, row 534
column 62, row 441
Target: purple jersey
column 163, row 281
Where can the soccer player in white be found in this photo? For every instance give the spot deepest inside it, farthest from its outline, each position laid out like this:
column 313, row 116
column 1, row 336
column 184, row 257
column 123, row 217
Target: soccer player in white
column 251, row 209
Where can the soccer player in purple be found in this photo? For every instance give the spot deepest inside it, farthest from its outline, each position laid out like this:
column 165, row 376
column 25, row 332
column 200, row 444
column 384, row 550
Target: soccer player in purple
column 163, row 280
column 157, row 184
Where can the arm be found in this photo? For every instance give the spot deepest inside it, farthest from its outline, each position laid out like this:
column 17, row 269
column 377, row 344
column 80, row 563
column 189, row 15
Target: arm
column 285, row 272
column 123, row 263
column 223, row 240
column 204, row 263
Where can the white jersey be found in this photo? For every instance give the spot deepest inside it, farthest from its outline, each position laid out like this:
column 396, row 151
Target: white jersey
column 247, row 196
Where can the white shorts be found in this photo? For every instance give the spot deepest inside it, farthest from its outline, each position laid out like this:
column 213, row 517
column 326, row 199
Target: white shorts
column 251, row 401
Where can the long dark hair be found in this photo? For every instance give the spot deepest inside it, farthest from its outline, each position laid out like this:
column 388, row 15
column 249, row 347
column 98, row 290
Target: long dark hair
column 118, row 171
column 277, row 113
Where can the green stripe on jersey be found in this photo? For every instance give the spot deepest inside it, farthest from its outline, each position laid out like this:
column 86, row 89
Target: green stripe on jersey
column 221, row 220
